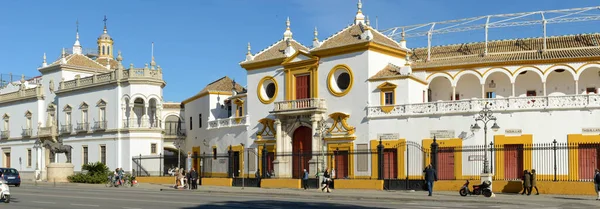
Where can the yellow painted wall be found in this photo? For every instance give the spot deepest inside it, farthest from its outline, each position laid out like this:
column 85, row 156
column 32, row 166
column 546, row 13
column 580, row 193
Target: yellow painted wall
column 545, row 187
column 280, row 183
column 400, row 145
column 215, row 175
column 157, row 179
column 270, row 148
column 196, row 151
column 358, row 184
column 217, row 182
column 574, row 140
column 500, row 140
column 454, row 143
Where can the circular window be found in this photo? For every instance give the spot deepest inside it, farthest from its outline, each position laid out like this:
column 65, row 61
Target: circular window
column 339, row 80
column 267, row 90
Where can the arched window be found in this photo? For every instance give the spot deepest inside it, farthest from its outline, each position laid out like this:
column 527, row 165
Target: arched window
column 108, row 50
column 103, row 52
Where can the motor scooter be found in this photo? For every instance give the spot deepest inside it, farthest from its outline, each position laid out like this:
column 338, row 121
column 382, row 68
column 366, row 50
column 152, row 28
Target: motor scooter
column 4, row 191
column 483, row 188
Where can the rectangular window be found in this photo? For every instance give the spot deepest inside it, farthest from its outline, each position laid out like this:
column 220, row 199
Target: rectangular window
column 28, row 157
column 28, row 123
column 490, row 94
column 591, row 90
column 240, row 111
column 389, row 98
column 199, row 120
column 229, row 110
column 531, row 93
column 362, row 159
column 214, row 153
column 85, row 155
column 153, row 148
column 191, row 125
column 68, row 118
column 102, row 117
column 103, row 154
column 84, row 116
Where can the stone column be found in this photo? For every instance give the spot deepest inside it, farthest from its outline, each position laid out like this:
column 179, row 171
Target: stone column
column 576, row 87
column 280, row 163
column 132, row 118
column 513, row 88
column 123, row 116
column 314, row 163
column 544, row 84
column 145, row 118
column 483, row 90
column 453, row 93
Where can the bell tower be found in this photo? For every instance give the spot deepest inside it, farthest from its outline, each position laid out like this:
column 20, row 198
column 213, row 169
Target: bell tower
column 105, row 44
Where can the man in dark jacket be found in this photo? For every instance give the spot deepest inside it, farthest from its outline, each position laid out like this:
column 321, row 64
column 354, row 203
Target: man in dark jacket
column 597, row 183
column 194, row 178
column 430, row 177
column 305, row 180
column 526, row 183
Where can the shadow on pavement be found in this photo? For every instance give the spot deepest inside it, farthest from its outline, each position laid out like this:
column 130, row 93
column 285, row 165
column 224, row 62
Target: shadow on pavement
column 275, row 204
column 571, row 198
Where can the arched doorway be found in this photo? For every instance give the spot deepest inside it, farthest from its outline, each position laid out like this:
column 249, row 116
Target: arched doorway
column 301, row 150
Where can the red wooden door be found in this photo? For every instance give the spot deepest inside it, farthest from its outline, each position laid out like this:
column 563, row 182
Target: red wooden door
column 588, row 161
column 7, row 158
column 303, row 87
column 341, row 164
column 513, row 161
column 445, row 165
column 270, row 158
column 301, row 150
column 390, row 164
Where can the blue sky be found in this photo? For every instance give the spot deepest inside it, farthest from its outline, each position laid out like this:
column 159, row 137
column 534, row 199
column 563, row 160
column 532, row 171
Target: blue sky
column 198, row 41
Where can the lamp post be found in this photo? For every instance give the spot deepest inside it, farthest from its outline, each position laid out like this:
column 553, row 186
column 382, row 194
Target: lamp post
column 485, row 116
column 179, row 143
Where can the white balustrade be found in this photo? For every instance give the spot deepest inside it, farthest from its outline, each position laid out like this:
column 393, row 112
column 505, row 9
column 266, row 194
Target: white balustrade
column 496, row 104
column 300, row 104
column 228, row 122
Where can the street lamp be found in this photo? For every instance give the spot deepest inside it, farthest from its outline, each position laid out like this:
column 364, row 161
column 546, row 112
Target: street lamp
column 179, row 143
column 243, row 159
column 485, row 116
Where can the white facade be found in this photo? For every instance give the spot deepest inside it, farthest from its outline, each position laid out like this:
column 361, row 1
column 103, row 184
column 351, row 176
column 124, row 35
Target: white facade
column 104, row 111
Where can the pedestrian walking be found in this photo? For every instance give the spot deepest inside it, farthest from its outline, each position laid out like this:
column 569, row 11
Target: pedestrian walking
column 326, row 180
column 305, row 180
column 526, row 183
column 533, row 183
column 188, row 177
column 430, row 177
column 597, row 183
column 194, row 178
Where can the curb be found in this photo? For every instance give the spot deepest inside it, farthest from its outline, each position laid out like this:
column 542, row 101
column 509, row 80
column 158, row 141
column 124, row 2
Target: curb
column 325, row 195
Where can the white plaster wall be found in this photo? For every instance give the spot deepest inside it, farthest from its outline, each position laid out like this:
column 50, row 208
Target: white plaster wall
column 468, row 87
column 402, row 91
column 93, row 142
column 18, row 121
column 91, row 96
column 589, row 78
column 559, row 84
column 441, row 89
column 18, row 149
column 528, row 82
column 417, row 92
column 257, row 109
column 192, row 110
column 503, row 87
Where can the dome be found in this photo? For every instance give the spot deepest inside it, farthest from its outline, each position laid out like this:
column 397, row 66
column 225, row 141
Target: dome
column 104, row 36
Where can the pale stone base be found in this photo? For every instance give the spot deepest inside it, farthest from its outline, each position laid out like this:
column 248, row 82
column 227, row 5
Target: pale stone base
column 487, row 177
column 58, row 172
column 282, row 169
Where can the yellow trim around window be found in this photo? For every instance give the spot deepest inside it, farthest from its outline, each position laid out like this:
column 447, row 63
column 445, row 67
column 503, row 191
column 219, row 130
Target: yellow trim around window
column 383, row 88
column 329, row 82
column 260, row 86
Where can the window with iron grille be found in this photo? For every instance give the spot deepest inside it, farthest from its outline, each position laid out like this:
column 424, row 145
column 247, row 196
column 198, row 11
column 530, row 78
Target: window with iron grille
column 103, row 154
column 85, row 155
column 153, row 148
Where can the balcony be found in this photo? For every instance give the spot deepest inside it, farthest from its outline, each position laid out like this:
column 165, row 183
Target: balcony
column 26, row 132
column 66, row 129
column 4, row 134
column 300, row 106
column 47, row 131
column 82, row 127
column 100, row 125
column 497, row 104
column 137, row 123
column 228, row 122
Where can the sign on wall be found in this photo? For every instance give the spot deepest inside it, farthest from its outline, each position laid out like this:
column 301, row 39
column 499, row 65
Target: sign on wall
column 441, row 134
column 388, row 136
column 590, row 131
column 513, row 132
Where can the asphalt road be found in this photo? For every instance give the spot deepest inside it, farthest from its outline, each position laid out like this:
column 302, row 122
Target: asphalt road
column 124, row 198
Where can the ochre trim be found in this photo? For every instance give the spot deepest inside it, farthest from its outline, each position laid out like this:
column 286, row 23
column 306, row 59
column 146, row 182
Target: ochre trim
column 290, row 80
column 342, row 146
column 271, row 147
column 399, row 77
column 500, row 140
column 361, row 47
column 399, row 145
column 340, row 124
column 262, row 64
column 455, row 143
column 505, row 63
column 267, row 128
column 383, row 88
column 574, row 140
column 258, row 90
column 331, row 74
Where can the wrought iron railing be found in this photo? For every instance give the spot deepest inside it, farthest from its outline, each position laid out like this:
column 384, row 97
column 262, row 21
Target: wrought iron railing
column 100, row 125
column 26, row 132
column 4, row 134
column 66, row 129
column 82, row 127
column 141, row 123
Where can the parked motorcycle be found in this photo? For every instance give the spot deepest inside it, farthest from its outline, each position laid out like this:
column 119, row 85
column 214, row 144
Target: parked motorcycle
column 4, row 191
column 483, row 188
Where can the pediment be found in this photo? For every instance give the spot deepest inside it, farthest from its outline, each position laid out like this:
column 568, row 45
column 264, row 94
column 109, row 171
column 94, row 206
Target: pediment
column 101, row 103
column 67, row 108
column 299, row 56
column 387, row 85
column 83, row 105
